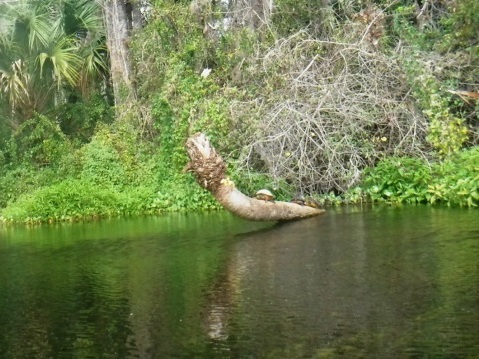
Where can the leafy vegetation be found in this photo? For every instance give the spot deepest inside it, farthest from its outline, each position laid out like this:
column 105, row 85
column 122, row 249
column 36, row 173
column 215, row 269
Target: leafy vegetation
column 454, row 181
column 49, row 49
column 398, row 180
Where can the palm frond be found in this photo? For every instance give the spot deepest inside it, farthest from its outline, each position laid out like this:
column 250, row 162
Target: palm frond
column 40, row 31
column 13, row 83
column 89, row 13
column 83, row 19
column 47, row 45
column 63, row 60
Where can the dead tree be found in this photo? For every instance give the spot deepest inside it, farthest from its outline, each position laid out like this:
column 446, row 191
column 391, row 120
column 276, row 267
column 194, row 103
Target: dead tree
column 209, row 169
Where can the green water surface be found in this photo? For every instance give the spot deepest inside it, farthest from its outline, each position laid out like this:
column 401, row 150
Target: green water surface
column 377, row 282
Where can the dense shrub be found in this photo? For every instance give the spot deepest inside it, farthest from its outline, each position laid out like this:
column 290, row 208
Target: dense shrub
column 398, row 179
column 39, row 142
column 101, row 162
column 23, row 179
column 454, row 181
column 77, row 199
column 78, row 119
column 68, row 200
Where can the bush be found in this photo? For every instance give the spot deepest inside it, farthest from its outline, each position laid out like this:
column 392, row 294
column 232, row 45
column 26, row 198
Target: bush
column 117, row 156
column 448, row 131
column 456, row 180
column 101, row 163
column 68, row 200
column 77, row 199
column 39, row 142
column 24, row 179
column 440, row 52
column 182, row 193
column 79, row 119
column 327, row 109
column 398, row 179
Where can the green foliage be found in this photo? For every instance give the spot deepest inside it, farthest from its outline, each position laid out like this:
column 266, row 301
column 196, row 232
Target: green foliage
column 37, row 154
column 182, row 193
column 459, row 27
column 101, row 163
column 456, row 180
column 183, row 102
column 69, row 200
column 398, row 179
column 355, row 195
column 117, row 156
column 291, row 16
column 448, row 132
column 114, row 174
column 78, row 119
column 186, row 104
column 171, row 112
column 49, row 49
column 23, row 179
column 173, row 38
column 135, row 200
column 74, row 199
column 212, row 118
column 404, row 28
column 442, row 54
column 39, row 142
column 117, row 171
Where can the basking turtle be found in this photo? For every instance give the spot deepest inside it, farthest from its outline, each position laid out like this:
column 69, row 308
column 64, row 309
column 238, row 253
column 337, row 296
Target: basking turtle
column 311, row 202
column 264, row 195
column 299, row 200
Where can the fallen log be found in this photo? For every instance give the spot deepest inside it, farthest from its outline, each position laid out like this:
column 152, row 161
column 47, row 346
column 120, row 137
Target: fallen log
column 209, row 169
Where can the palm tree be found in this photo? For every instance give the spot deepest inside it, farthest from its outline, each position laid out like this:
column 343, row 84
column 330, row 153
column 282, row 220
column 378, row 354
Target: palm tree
column 48, row 48
column 83, row 20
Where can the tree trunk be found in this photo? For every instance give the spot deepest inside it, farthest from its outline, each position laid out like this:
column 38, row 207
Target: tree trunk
column 210, row 171
column 117, row 28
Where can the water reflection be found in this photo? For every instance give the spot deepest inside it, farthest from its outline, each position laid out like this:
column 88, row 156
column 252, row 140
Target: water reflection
column 358, row 284
column 355, row 283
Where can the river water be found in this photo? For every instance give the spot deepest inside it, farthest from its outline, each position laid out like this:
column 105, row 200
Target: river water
column 378, row 282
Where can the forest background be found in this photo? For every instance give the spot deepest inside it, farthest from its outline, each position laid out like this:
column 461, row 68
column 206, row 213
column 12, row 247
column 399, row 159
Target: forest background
column 348, row 101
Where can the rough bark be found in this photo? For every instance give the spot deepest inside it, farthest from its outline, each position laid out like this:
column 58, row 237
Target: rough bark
column 117, row 26
column 209, row 169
